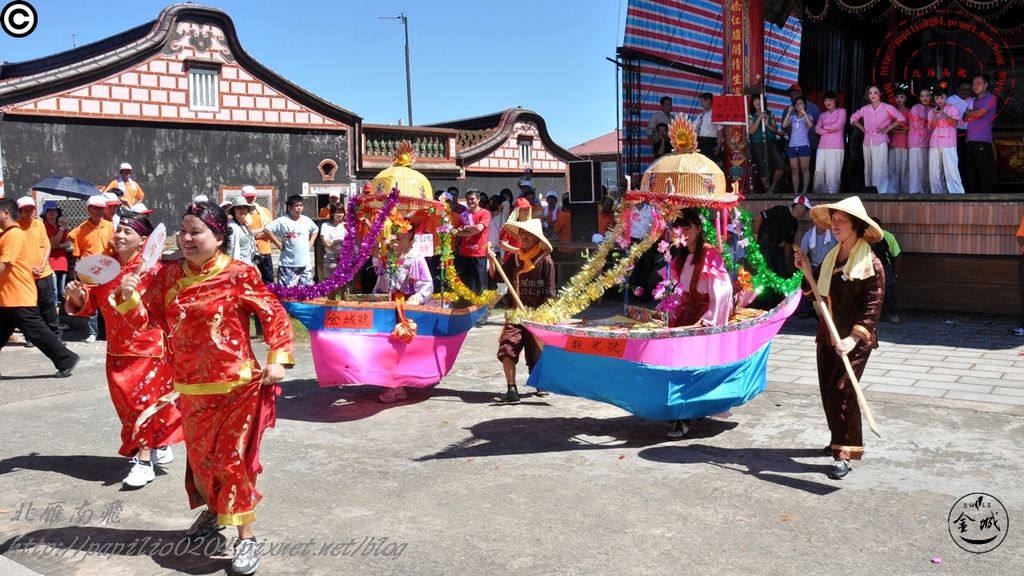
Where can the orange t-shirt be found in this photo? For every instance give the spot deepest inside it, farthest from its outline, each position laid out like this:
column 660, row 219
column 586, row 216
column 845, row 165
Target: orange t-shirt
column 89, row 239
column 17, row 287
column 133, row 193
column 1020, row 231
column 257, row 220
column 37, row 243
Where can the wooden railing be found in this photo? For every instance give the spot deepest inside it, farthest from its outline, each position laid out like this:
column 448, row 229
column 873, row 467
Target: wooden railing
column 433, row 145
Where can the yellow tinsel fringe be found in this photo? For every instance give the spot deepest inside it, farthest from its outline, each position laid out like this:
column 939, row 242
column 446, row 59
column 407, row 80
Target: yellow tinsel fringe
column 459, row 291
column 590, row 283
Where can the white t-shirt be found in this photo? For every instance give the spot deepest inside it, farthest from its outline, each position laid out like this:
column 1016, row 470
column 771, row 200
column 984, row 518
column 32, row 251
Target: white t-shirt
column 294, row 236
column 332, row 235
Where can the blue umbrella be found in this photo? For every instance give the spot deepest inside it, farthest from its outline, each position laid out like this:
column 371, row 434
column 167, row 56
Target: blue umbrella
column 67, row 186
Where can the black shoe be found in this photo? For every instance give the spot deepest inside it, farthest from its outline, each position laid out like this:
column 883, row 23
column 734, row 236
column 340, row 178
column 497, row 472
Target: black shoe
column 509, row 397
column 541, row 393
column 840, row 468
column 67, row 371
column 828, row 450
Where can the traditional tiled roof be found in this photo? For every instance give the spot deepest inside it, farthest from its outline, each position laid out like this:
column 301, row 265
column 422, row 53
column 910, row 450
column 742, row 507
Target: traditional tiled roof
column 21, row 81
column 481, row 135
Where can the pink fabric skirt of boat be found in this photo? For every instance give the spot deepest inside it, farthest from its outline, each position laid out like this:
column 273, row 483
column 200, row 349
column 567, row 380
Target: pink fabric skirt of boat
column 689, row 349
column 346, row 358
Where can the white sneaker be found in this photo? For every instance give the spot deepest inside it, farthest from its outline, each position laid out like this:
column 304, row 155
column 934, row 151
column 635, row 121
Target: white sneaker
column 393, row 395
column 140, row 474
column 90, row 339
column 162, row 455
column 247, row 557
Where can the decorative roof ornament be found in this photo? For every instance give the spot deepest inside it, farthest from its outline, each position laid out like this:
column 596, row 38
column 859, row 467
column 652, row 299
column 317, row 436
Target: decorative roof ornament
column 682, row 134
column 405, row 154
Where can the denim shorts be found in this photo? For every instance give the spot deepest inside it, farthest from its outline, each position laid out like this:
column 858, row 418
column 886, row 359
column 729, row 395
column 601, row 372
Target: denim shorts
column 798, row 152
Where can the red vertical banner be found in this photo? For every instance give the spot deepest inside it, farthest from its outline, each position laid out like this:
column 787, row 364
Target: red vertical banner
column 743, row 47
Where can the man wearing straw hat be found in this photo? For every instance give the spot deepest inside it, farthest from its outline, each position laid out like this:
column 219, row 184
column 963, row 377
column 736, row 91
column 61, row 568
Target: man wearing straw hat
column 851, row 285
column 531, row 276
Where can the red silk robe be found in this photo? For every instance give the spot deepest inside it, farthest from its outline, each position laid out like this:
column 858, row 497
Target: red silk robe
column 138, row 366
column 205, row 313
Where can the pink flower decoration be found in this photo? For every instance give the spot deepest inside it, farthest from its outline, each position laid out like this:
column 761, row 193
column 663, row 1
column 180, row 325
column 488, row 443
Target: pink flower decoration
column 639, row 291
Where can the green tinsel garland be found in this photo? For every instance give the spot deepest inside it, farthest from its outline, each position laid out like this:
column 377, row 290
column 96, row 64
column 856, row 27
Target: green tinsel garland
column 764, row 277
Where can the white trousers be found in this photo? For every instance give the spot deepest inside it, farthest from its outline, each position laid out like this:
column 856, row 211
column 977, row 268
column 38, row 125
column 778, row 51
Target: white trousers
column 919, row 178
column 828, row 170
column 876, row 167
column 899, row 170
column 943, row 171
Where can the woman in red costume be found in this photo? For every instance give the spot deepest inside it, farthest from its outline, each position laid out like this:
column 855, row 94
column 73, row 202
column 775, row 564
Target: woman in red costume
column 701, row 289
column 204, row 303
column 138, row 367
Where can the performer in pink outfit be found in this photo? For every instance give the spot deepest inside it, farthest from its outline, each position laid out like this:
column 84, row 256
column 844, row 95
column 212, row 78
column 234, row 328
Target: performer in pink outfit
column 917, row 140
column 875, row 120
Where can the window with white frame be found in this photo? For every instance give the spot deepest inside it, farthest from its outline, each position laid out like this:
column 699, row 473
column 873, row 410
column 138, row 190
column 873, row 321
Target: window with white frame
column 203, row 89
column 525, row 152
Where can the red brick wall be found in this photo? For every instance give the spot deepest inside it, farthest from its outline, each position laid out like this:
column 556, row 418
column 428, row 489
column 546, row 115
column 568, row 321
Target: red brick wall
column 157, row 90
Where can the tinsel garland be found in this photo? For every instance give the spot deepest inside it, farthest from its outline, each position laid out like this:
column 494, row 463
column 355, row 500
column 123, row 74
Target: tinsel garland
column 348, row 262
column 764, row 277
column 590, row 283
column 450, row 278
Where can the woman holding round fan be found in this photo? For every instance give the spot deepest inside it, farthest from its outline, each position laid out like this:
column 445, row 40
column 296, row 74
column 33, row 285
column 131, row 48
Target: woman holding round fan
column 204, row 304
column 138, row 366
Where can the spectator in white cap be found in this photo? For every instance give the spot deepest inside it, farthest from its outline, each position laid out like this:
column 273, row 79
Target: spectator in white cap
column 257, row 220
column 94, row 236
column 37, row 255
column 140, row 208
column 775, row 230
column 18, row 299
column 550, row 209
column 200, row 198
column 130, row 191
column 332, row 198
column 241, row 243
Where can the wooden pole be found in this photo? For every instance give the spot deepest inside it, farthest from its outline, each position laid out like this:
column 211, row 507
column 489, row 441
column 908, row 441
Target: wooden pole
column 827, row 316
column 504, row 277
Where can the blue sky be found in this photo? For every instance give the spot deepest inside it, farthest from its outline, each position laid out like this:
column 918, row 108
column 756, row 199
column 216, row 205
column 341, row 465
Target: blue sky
column 468, row 57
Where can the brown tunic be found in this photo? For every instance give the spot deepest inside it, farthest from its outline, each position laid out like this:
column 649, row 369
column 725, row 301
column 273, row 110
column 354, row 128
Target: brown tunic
column 855, row 306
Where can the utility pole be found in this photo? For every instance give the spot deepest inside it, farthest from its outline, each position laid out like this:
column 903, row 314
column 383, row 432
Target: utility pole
column 408, row 75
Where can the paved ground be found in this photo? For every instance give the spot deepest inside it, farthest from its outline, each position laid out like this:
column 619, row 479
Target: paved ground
column 445, row 483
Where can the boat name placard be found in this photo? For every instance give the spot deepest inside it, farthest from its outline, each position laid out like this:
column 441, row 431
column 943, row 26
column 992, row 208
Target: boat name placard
column 596, row 346
column 348, row 320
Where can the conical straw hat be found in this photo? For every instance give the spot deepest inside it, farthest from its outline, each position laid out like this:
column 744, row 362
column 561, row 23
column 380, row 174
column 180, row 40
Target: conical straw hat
column 852, row 206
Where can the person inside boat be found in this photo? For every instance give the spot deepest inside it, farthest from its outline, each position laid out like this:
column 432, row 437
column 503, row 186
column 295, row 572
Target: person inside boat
column 406, row 277
column 701, row 293
column 701, row 288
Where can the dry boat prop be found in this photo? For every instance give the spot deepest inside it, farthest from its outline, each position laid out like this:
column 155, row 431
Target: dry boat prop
column 634, row 361
column 380, row 339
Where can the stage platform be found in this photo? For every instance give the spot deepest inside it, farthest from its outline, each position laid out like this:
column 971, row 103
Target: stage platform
column 959, row 251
